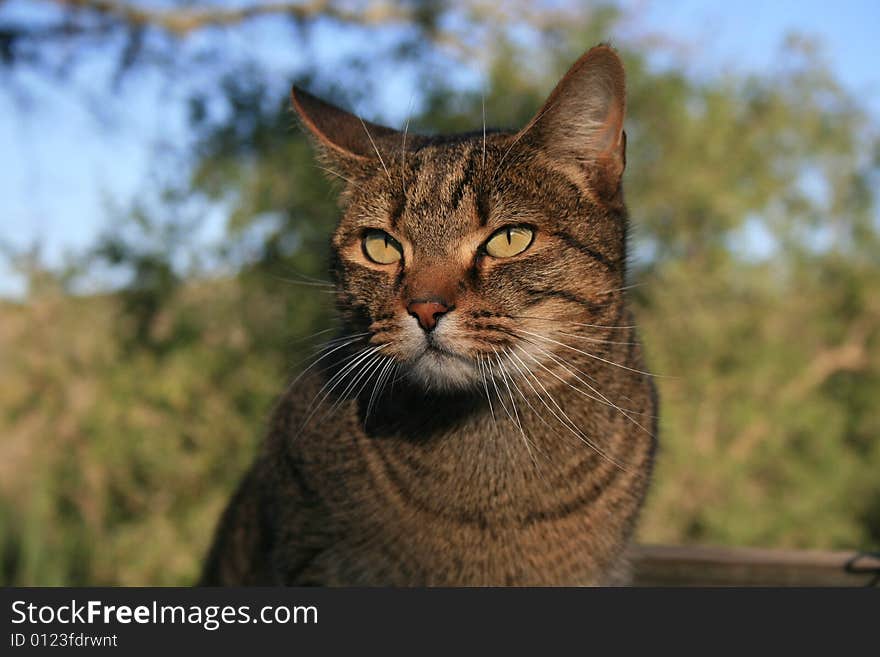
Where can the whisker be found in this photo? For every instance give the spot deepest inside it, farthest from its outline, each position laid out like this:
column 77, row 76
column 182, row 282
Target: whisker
column 306, row 338
column 343, row 368
column 529, row 383
column 328, row 288
column 495, row 385
column 603, row 400
column 398, row 375
column 486, row 387
column 624, row 411
column 338, row 377
column 559, row 361
column 622, row 289
column 483, row 99
column 395, row 376
column 557, row 320
column 597, row 340
column 338, row 175
column 497, row 437
column 568, row 422
column 403, row 147
column 299, row 376
column 557, row 377
column 377, row 387
column 571, row 369
column 307, row 280
column 375, row 148
column 516, row 413
column 367, row 369
column 343, row 338
column 518, row 137
column 586, row 353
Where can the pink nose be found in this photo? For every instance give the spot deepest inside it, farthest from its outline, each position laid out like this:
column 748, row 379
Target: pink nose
column 427, row 312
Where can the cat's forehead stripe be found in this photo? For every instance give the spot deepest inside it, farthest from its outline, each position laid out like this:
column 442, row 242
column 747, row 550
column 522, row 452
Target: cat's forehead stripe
column 444, row 175
column 466, row 174
column 438, row 206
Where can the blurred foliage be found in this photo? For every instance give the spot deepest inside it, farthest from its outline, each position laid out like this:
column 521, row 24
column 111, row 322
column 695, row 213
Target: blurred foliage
column 128, row 417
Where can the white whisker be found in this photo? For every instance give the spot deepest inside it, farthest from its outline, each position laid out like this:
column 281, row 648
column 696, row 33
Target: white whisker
column 529, row 383
column 486, row 387
column 516, row 413
column 338, row 175
column 571, row 369
column 602, row 400
column 306, row 338
column 403, row 147
column 622, row 289
column 330, row 343
column 367, row 369
column 338, row 377
column 483, row 98
column 495, row 385
column 375, row 148
column 497, row 437
column 377, row 387
column 586, row 353
column 558, row 320
column 568, row 423
column 354, row 339
column 596, row 340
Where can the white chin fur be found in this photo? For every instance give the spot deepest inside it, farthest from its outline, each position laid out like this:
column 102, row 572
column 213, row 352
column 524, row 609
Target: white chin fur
column 439, row 371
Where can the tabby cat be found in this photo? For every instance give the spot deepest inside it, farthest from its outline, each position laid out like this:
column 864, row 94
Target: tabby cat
column 485, row 417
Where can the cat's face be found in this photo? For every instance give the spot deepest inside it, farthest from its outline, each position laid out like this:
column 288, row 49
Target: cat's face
column 465, row 255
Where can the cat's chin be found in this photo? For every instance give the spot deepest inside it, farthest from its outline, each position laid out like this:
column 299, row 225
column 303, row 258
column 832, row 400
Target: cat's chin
column 440, row 370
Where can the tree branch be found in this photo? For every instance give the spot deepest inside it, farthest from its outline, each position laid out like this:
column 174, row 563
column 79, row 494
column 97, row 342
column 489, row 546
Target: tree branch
column 850, row 356
column 180, row 22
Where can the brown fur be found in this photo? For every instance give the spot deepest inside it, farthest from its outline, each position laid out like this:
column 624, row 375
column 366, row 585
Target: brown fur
column 508, row 462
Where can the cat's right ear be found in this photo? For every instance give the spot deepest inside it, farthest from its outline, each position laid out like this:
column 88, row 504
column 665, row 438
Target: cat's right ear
column 341, row 137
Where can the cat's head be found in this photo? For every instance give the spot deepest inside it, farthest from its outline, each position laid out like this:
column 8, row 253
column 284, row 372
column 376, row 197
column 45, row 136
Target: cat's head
column 460, row 255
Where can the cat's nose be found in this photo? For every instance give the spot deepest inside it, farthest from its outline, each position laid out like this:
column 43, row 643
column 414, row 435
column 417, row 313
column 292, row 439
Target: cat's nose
column 427, row 312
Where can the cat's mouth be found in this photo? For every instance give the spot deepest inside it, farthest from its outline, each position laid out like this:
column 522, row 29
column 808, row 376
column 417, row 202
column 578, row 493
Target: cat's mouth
column 439, row 367
column 435, row 349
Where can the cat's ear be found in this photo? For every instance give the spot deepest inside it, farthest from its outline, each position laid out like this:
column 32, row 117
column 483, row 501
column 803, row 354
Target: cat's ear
column 342, row 137
column 580, row 127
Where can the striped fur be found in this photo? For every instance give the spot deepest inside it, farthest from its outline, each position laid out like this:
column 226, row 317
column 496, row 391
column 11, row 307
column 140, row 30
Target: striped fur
column 513, row 445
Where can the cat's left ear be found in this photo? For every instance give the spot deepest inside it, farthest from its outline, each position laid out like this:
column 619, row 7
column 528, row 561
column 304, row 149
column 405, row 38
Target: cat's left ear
column 342, row 137
column 581, row 125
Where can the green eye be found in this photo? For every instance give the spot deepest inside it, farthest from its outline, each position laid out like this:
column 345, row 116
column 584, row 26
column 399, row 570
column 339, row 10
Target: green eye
column 509, row 241
column 381, row 248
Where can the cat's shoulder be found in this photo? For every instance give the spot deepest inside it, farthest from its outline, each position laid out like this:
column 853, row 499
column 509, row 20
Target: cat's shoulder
column 311, row 409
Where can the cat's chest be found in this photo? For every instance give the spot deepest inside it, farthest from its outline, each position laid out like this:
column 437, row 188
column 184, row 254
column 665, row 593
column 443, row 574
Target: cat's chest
column 437, row 553
column 485, row 500
column 473, row 508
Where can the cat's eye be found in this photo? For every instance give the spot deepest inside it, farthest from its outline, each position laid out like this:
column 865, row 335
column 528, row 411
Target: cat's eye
column 381, row 248
column 509, row 241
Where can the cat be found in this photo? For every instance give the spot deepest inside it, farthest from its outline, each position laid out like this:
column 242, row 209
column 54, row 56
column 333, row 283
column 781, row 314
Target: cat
column 486, row 417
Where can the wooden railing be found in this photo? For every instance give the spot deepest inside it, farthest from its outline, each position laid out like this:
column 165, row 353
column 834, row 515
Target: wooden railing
column 665, row 565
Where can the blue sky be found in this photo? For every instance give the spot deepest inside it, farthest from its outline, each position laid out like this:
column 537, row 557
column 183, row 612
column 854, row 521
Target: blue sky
column 69, row 150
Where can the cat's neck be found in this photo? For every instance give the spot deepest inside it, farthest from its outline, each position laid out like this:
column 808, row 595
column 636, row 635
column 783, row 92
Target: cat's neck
column 447, row 447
